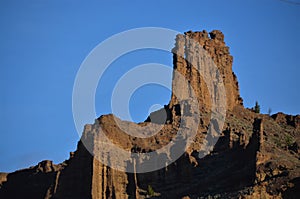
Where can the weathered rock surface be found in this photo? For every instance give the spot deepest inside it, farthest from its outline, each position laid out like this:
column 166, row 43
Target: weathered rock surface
column 188, row 63
column 257, row 156
column 284, row 119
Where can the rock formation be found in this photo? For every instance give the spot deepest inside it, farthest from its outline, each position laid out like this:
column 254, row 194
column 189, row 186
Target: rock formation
column 256, row 156
column 188, row 63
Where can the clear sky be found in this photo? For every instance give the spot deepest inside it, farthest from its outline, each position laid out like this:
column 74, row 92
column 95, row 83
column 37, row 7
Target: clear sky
column 43, row 43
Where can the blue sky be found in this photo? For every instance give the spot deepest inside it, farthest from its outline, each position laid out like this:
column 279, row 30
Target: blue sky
column 44, row 42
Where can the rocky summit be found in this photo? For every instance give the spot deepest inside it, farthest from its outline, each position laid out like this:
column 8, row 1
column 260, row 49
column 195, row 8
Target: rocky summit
column 255, row 156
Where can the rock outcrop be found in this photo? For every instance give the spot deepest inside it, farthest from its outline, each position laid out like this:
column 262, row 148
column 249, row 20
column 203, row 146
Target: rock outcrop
column 256, row 156
column 284, row 119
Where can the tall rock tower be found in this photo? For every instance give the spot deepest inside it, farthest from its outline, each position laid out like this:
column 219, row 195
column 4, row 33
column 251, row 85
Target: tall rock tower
column 188, row 61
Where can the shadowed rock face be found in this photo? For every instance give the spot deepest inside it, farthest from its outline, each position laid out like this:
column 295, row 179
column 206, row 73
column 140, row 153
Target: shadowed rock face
column 257, row 156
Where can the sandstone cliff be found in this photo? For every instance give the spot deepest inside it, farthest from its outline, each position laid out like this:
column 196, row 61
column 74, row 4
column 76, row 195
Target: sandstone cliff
column 256, row 156
column 188, row 63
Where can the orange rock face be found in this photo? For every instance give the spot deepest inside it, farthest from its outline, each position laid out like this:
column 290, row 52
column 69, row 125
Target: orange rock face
column 189, row 60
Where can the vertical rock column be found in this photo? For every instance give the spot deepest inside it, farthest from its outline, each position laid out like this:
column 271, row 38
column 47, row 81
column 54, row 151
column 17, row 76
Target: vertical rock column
column 187, row 61
column 107, row 183
column 259, row 131
column 260, row 157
